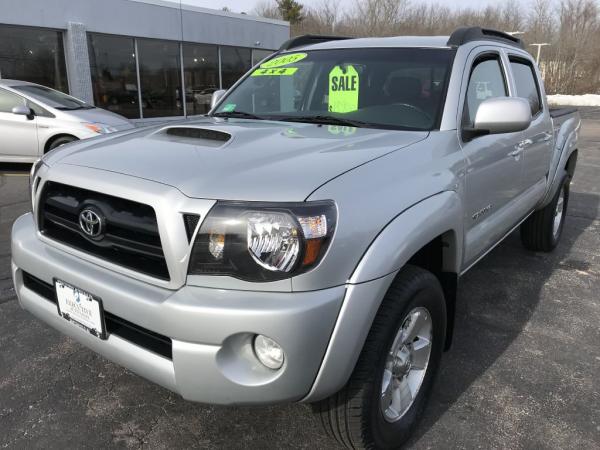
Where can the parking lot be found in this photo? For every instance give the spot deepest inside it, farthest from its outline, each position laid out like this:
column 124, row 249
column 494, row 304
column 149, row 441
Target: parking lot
column 524, row 371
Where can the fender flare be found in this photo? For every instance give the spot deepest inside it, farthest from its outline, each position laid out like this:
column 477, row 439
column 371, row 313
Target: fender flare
column 567, row 143
column 387, row 254
column 423, row 221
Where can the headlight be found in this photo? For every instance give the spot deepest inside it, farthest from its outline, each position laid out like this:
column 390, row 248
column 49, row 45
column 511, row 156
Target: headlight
column 262, row 241
column 100, row 128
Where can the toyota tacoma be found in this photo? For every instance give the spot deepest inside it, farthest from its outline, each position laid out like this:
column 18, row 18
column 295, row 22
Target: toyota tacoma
column 303, row 241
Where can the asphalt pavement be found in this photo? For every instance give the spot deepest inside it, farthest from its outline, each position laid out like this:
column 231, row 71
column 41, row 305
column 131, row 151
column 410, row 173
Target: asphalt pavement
column 524, row 371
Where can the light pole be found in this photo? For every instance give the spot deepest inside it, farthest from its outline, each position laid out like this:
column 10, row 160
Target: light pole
column 539, row 48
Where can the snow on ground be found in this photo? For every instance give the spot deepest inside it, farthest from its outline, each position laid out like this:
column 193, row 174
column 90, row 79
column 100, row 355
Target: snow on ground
column 574, row 100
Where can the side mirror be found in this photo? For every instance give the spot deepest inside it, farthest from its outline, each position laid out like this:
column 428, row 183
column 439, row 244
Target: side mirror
column 501, row 115
column 216, row 96
column 22, row 110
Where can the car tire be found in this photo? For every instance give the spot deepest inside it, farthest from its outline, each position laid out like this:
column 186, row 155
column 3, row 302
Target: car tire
column 358, row 415
column 61, row 141
column 543, row 229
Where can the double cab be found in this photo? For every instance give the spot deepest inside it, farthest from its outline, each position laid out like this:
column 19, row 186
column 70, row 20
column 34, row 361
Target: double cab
column 303, row 241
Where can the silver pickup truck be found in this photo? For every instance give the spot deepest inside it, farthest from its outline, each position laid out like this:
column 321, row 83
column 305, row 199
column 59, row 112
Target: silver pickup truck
column 304, row 240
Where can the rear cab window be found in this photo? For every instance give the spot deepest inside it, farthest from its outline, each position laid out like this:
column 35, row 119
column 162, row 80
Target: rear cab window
column 526, row 83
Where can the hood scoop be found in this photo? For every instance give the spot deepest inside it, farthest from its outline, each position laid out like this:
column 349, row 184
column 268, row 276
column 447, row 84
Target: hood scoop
column 194, row 135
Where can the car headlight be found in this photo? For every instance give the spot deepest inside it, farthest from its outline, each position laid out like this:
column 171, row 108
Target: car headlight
column 263, row 241
column 100, row 128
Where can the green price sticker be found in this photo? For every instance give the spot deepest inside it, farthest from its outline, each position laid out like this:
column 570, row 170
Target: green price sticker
column 229, row 107
column 277, row 72
column 283, row 60
column 343, row 89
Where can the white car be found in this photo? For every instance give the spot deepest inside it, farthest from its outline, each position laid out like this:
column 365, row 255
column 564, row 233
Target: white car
column 35, row 119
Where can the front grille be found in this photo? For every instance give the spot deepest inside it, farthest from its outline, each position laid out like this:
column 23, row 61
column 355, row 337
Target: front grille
column 129, row 237
column 116, row 325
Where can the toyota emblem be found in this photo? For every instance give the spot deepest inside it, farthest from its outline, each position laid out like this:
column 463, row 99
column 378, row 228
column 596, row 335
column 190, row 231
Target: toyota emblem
column 91, row 223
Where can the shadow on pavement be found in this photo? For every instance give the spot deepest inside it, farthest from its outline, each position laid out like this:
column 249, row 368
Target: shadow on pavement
column 15, row 167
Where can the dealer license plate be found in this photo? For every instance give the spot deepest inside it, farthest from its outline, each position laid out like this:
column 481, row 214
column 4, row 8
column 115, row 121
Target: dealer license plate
column 80, row 308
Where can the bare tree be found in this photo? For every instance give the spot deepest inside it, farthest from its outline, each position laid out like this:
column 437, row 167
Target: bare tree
column 268, row 9
column 570, row 64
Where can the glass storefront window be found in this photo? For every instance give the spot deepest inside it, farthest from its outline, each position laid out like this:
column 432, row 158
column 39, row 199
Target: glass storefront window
column 160, row 77
column 235, row 62
column 114, row 77
column 259, row 55
column 33, row 54
column 201, row 76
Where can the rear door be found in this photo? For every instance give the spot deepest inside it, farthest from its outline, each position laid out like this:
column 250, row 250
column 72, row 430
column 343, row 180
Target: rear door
column 493, row 179
column 536, row 141
column 19, row 133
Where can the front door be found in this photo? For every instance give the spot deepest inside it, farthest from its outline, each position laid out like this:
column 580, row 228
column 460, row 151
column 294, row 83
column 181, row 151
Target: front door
column 19, row 133
column 494, row 169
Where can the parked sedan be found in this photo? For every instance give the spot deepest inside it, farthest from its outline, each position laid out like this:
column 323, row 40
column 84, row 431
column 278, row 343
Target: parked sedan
column 35, row 119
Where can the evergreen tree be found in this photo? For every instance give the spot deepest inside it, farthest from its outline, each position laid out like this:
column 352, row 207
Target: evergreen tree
column 290, row 10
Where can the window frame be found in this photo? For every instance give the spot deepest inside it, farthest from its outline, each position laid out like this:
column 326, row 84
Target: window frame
column 89, row 38
column 223, row 48
column 518, row 59
column 60, row 50
column 179, row 57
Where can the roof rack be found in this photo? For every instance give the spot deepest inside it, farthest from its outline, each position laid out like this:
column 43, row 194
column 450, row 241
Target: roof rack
column 308, row 39
column 468, row 34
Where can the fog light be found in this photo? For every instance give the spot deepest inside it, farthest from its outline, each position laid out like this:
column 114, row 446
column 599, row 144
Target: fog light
column 268, row 352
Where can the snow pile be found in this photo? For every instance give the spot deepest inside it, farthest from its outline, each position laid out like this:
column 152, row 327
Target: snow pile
column 574, row 100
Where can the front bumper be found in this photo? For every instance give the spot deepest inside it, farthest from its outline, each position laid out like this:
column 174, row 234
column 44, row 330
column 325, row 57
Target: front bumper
column 211, row 330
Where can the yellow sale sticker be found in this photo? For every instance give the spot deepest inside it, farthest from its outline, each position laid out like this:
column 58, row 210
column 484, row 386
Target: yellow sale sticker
column 282, row 71
column 343, row 89
column 283, row 60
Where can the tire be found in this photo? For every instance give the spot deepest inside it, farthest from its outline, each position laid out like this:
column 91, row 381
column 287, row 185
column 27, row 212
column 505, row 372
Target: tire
column 355, row 416
column 543, row 229
column 61, row 141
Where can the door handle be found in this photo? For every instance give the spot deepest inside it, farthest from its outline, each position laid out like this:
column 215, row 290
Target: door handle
column 524, row 144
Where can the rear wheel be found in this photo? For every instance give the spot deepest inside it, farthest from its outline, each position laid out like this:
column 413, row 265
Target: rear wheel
column 390, row 385
column 543, row 229
column 62, row 140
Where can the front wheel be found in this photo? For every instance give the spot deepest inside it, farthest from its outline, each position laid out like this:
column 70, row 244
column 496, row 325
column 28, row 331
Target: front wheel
column 390, row 385
column 61, row 141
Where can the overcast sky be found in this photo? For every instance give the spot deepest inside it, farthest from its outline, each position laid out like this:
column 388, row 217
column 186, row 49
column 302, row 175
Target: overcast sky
column 248, row 5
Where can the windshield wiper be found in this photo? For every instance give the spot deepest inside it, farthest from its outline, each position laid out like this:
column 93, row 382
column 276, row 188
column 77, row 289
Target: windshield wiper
column 328, row 120
column 237, row 115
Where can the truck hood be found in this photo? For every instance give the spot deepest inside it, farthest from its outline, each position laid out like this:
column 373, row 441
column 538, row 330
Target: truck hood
column 236, row 159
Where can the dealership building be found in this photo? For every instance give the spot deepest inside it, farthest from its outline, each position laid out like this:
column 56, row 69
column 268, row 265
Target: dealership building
column 143, row 59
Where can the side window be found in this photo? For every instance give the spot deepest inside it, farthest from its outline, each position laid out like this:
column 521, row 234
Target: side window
column 8, row 101
column 486, row 81
column 38, row 110
column 526, row 83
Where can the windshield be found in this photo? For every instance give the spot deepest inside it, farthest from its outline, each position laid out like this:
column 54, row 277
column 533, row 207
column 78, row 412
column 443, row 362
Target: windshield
column 52, row 98
column 397, row 88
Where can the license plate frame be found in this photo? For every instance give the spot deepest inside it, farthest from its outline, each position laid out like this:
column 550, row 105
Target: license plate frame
column 92, row 304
